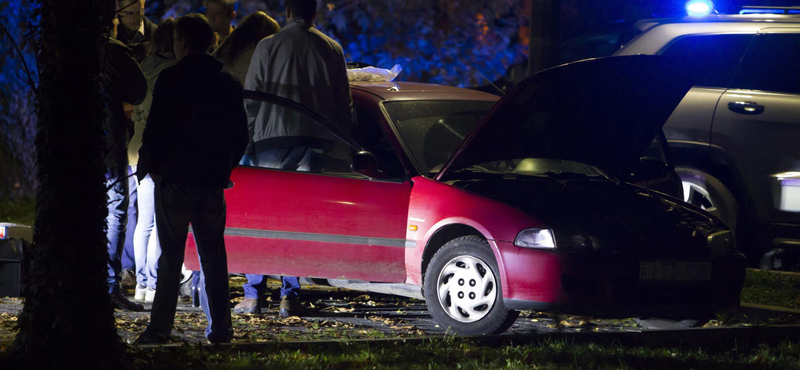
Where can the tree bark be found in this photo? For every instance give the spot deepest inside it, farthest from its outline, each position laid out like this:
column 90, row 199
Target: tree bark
column 67, row 320
column 545, row 27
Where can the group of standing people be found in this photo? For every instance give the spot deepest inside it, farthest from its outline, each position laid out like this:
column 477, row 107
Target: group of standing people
column 191, row 127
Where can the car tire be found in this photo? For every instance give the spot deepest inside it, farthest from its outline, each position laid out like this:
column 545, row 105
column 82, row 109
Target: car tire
column 463, row 290
column 706, row 191
column 668, row 324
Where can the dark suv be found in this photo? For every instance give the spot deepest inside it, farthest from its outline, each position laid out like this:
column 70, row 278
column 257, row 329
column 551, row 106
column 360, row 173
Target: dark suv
column 735, row 137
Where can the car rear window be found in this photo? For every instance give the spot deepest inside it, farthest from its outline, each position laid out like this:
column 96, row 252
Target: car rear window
column 433, row 129
column 711, row 58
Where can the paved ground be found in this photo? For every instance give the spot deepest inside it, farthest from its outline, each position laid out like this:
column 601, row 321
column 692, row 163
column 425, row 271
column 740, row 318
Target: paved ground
column 341, row 314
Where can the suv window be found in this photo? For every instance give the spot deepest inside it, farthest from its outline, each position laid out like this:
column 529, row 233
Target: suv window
column 771, row 65
column 712, row 58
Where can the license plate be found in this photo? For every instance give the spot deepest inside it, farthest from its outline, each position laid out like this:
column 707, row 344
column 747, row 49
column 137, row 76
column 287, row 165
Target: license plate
column 675, row 271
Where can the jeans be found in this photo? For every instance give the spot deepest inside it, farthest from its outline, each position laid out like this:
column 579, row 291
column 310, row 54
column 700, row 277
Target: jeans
column 117, row 190
column 302, row 159
column 177, row 207
column 145, row 239
column 128, row 256
column 256, row 284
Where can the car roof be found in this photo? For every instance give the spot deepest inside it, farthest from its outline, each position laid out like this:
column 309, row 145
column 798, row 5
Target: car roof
column 646, row 24
column 419, row 91
column 657, row 33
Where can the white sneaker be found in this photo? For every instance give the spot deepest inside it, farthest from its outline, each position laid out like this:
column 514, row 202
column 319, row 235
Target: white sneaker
column 149, row 295
column 141, row 291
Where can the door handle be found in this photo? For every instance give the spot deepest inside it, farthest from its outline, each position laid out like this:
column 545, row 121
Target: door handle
column 746, row 107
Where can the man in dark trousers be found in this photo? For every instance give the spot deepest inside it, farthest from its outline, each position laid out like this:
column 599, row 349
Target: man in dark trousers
column 195, row 135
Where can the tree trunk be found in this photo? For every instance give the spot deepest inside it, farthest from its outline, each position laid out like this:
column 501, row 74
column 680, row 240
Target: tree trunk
column 545, row 36
column 67, row 320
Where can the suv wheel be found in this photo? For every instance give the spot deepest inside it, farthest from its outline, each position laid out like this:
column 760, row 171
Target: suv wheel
column 463, row 291
column 707, row 192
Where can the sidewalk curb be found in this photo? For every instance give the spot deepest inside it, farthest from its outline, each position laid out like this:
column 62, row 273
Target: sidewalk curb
column 761, row 307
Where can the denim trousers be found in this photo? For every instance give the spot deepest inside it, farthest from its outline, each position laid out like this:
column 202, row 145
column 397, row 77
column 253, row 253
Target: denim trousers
column 301, row 159
column 145, row 239
column 177, row 207
column 128, row 258
column 117, row 191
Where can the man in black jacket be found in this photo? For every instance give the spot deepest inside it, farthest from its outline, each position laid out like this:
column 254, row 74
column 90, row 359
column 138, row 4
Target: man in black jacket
column 122, row 81
column 196, row 133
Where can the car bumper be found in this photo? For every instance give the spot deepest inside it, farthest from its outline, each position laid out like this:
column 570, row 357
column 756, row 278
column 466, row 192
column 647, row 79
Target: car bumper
column 608, row 285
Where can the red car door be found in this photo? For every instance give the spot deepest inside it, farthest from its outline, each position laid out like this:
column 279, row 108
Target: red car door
column 316, row 225
column 329, row 224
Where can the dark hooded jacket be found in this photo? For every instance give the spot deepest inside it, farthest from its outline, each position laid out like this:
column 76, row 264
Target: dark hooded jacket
column 196, row 132
column 121, row 80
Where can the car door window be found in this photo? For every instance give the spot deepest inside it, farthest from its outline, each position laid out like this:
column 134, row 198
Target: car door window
column 771, row 65
column 711, row 58
column 369, row 132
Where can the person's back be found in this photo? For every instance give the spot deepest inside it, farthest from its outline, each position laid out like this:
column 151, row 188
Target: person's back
column 198, row 150
column 195, row 135
column 302, row 64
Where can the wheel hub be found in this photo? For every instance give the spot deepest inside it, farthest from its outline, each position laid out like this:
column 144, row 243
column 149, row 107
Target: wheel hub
column 467, row 288
column 698, row 196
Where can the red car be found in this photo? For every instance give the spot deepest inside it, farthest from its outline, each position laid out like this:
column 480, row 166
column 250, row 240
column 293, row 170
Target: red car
column 545, row 200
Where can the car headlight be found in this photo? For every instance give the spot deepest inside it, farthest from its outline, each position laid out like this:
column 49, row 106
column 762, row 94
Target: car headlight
column 536, row 238
column 721, row 242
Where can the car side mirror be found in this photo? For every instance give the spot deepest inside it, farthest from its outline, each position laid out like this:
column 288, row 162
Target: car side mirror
column 649, row 169
column 365, row 163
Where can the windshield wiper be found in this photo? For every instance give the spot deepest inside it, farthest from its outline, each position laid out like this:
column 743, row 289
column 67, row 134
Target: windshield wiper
column 572, row 176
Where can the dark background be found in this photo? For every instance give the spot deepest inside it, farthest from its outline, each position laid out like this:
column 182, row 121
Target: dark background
column 463, row 43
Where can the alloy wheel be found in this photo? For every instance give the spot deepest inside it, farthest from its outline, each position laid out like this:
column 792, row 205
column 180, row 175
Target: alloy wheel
column 697, row 195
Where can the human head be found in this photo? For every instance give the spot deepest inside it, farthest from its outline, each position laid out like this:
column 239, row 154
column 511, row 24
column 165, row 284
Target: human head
column 306, row 9
column 193, row 35
column 220, row 14
column 163, row 39
column 131, row 13
column 249, row 31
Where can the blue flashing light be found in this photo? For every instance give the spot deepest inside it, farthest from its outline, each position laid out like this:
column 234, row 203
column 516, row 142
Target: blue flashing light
column 699, row 8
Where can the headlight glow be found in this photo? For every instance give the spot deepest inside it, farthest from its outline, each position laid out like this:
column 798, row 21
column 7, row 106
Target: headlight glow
column 536, row 238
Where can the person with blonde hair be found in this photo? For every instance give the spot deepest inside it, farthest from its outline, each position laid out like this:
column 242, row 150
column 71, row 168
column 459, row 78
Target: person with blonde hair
column 238, row 48
column 146, row 248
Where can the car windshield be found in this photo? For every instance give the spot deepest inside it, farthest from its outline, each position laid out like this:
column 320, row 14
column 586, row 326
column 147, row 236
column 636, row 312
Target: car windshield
column 560, row 169
column 433, row 129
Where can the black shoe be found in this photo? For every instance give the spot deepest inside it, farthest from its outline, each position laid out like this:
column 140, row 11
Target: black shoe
column 215, row 341
column 150, row 338
column 128, row 279
column 120, row 302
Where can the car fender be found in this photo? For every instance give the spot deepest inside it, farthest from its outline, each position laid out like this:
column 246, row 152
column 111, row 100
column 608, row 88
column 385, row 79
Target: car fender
column 437, row 206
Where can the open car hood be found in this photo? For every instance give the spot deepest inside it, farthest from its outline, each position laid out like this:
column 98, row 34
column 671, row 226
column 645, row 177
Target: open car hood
column 602, row 112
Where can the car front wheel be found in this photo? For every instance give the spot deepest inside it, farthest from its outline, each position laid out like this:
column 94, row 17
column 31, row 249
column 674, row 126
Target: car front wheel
column 463, row 289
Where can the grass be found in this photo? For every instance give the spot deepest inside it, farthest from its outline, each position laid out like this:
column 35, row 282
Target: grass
column 761, row 287
column 452, row 353
column 20, row 211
